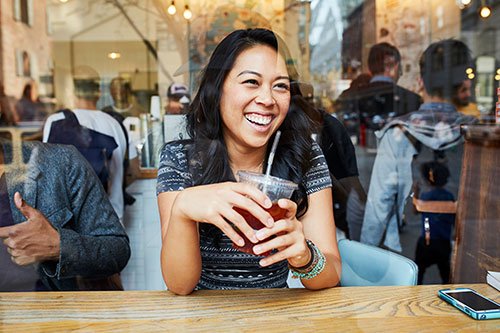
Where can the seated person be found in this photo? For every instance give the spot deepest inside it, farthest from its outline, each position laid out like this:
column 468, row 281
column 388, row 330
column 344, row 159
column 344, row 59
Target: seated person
column 178, row 99
column 57, row 226
column 434, row 244
column 243, row 100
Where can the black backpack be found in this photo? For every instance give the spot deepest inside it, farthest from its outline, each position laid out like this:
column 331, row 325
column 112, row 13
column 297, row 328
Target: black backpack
column 97, row 148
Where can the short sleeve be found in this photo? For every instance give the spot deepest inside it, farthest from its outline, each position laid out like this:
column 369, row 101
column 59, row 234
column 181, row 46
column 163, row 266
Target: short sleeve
column 173, row 171
column 317, row 177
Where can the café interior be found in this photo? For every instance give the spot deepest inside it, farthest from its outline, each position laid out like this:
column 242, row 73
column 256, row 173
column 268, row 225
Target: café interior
column 151, row 44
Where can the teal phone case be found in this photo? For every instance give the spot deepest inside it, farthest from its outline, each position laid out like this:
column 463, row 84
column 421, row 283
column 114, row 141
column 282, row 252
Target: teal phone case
column 478, row 315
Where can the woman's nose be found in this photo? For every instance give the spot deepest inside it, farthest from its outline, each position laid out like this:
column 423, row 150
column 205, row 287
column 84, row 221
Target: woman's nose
column 265, row 97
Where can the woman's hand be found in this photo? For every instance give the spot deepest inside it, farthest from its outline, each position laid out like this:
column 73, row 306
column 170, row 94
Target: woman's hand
column 214, row 204
column 290, row 240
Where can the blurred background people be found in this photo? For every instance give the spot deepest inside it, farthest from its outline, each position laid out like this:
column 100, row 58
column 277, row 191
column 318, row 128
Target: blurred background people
column 434, row 243
column 431, row 130
column 347, row 192
column 123, row 100
column 8, row 114
column 383, row 98
column 29, row 108
column 462, row 99
column 99, row 125
column 178, row 98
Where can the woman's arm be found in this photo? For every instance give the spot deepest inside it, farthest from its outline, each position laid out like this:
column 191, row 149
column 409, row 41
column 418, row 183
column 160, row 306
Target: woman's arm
column 181, row 270
column 180, row 213
column 319, row 227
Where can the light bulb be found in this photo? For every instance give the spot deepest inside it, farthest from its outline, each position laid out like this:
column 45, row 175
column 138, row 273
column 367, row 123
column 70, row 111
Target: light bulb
column 485, row 11
column 187, row 13
column 497, row 77
column 171, row 9
column 465, row 2
column 469, row 70
column 471, row 76
column 114, row 55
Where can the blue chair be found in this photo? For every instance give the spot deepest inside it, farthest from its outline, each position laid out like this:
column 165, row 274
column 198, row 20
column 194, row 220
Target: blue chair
column 366, row 265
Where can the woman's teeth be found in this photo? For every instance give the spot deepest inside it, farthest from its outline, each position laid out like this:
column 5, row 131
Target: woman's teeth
column 258, row 119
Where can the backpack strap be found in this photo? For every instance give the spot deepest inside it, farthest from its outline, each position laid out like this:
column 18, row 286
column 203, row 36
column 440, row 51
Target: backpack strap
column 417, row 144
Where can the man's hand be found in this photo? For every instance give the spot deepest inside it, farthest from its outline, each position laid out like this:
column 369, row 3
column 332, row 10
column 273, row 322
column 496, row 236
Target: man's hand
column 34, row 240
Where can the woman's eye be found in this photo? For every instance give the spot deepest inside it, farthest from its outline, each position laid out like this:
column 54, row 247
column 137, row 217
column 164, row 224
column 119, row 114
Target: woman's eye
column 283, row 86
column 251, row 81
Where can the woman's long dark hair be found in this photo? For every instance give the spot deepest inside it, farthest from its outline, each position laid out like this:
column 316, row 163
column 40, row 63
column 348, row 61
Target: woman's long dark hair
column 209, row 161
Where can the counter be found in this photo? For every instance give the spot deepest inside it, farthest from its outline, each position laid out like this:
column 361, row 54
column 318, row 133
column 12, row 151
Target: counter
column 347, row 309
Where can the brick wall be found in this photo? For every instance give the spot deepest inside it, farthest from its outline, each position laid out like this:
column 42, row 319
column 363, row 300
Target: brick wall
column 16, row 35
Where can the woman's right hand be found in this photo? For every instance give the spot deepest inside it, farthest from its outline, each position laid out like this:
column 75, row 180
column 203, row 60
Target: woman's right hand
column 214, row 204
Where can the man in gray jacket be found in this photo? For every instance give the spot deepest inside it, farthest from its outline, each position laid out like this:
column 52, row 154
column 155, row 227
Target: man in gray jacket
column 58, row 228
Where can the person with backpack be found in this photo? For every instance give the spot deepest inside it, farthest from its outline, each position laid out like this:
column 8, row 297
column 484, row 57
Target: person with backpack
column 436, row 125
column 97, row 135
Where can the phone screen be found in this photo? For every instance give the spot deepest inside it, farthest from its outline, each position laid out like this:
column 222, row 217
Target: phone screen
column 473, row 300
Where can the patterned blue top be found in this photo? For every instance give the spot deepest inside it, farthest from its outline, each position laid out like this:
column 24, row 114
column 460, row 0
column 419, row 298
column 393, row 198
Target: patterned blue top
column 224, row 267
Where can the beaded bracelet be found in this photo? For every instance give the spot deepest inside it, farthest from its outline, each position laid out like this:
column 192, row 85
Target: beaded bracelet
column 316, row 266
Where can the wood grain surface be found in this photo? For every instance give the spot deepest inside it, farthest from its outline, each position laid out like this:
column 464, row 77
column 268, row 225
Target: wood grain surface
column 347, row 309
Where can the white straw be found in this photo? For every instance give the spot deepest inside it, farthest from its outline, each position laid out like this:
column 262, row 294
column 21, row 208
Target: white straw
column 271, row 154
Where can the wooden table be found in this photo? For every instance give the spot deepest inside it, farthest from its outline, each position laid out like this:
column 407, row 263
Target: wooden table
column 348, row 309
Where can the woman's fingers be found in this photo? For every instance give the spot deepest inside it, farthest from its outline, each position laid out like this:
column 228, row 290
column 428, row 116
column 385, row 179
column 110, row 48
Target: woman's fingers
column 228, row 231
column 241, row 224
column 254, row 202
column 284, row 254
column 289, row 206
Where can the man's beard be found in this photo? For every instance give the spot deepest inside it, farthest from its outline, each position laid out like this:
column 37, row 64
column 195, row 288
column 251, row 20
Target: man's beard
column 461, row 102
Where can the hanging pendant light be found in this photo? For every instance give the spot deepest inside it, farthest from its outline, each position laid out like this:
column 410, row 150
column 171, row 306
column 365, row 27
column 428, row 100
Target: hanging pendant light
column 187, row 13
column 171, row 9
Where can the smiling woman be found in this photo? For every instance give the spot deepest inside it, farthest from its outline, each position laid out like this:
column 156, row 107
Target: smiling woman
column 243, row 100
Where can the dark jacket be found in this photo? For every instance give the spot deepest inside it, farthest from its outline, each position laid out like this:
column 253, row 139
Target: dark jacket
column 59, row 182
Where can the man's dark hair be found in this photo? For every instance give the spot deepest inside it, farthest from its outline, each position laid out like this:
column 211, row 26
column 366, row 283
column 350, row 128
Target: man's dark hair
column 435, row 173
column 380, row 55
column 443, row 65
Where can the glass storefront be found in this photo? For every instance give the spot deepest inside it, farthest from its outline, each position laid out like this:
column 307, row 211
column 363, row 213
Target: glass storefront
column 146, row 57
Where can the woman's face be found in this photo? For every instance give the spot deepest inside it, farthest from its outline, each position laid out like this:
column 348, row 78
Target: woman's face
column 255, row 98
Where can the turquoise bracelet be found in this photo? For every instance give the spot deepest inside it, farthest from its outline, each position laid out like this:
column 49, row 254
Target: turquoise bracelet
column 316, row 267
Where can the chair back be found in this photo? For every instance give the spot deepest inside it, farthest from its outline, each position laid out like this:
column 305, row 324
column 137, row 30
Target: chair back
column 366, row 265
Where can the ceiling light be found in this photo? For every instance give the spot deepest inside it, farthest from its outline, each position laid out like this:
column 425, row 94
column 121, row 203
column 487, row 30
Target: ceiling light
column 471, row 76
column 485, row 11
column 63, row 1
column 114, row 55
column 171, row 9
column 497, row 77
column 469, row 70
column 187, row 13
column 463, row 3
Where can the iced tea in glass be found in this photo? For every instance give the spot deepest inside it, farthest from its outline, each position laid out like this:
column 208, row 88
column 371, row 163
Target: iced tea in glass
column 275, row 188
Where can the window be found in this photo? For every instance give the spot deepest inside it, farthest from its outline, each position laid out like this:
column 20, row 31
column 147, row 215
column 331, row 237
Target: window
column 23, row 11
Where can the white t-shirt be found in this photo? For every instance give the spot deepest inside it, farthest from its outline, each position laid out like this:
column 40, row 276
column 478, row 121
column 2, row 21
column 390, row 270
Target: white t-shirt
column 105, row 124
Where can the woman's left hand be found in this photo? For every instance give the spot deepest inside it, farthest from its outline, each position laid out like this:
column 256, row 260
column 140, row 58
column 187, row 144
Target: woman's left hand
column 290, row 239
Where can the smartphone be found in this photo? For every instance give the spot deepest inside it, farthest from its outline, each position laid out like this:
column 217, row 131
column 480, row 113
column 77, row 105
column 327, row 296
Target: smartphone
column 471, row 303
